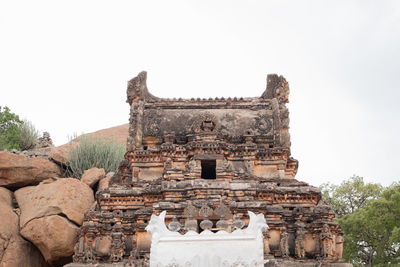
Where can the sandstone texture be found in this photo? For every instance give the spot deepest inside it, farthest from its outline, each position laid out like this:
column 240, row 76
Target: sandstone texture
column 68, row 197
column 17, row 170
column 54, row 236
column 51, row 214
column 105, row 182
column 92, row 176
column 203, row 161
column 60, row 154
column 14, row 250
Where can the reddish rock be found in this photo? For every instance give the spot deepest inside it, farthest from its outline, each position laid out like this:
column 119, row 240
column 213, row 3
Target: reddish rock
column 14, row 250
column 92, row 176
column 51, row 213
column 54, row 236
column 60, row 154
column 18, row 171
column 104, row 183
column 67, row 196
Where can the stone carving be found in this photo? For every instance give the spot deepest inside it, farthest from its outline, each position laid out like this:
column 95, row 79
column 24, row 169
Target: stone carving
column 267, row 249
column 152, row 125
column 206, row 224
column 238, row 223
column 137, row 89
column 284, row 243
column 263, row 124
column 205, row 122
column 299, row 243
column 174, row 226
column 326, row 242
column 187, row 156
column 191, row 249
column 339, row 246
column 191, row 211
column 222, row 211
column 117, row 244
column 277, row 87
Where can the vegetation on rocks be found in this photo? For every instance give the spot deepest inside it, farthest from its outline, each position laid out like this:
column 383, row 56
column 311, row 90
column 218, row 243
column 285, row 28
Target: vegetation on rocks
column 28, row 135
column 94, row 152
column 14, row 132
column 369, row 215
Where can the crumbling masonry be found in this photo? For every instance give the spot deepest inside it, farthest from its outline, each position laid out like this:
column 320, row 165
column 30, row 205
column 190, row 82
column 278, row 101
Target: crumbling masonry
column 187, row 155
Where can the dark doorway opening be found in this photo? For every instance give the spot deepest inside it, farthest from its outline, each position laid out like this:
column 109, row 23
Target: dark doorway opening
column 208, row 169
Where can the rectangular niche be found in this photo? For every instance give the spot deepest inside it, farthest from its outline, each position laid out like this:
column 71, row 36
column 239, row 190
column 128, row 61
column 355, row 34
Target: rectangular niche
column 208, row 169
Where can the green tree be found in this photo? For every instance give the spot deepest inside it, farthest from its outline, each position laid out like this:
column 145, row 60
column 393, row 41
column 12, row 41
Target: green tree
column 350, row 195
column 372, row 233
column 9, row 129
column 16, row 133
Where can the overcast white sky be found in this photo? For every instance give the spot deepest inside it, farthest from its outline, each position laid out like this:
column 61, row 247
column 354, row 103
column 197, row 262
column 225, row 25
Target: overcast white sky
column 64, row 66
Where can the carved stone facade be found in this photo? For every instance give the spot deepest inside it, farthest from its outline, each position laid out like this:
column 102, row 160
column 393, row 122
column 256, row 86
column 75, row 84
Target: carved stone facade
column 191, row 156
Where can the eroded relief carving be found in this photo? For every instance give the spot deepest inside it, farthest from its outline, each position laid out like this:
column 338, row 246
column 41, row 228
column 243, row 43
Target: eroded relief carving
column 263, row 124
column 243, row 145
column 284, row 243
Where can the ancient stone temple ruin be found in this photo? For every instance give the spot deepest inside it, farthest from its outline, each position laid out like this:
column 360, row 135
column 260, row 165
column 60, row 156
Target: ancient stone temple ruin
column 207, row 163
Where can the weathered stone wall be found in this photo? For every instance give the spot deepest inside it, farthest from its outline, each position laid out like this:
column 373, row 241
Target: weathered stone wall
column 205, row 153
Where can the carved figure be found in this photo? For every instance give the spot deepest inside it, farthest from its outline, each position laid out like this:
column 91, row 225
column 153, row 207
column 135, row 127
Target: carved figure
column 191, row 165
column 299, row 242
column 267, row 250
column 117, row 245
column 326, row 242
column 339, row 246
column 284, row 243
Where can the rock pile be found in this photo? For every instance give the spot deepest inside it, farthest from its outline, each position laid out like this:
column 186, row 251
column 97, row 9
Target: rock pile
column 44, row 141
column 40, row 220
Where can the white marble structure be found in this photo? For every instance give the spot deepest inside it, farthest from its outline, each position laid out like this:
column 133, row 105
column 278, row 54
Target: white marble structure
column 207, row 249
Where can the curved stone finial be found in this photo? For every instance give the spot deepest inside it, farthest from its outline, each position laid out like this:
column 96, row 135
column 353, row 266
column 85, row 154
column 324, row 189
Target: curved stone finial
column 277, row 87
column 137, row 89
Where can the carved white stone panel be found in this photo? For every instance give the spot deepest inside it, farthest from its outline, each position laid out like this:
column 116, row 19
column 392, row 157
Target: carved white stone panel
column 207, row 249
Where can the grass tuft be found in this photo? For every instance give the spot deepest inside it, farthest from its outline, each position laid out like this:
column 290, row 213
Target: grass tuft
column 27, row 135
column 94, row 152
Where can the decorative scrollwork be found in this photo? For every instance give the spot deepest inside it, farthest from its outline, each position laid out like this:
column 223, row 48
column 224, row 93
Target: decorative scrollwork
column 263, row 124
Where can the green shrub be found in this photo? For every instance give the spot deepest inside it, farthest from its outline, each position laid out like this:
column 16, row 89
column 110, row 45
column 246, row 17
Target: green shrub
column 9, row 129
column 27, row 135
column 15, row 133
column 94, row 152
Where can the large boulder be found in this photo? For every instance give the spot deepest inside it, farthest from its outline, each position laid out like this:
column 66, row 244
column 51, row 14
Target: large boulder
column 17, row 170
column 14, row 250
column 92, row 176
column 105, row 182
column 54, row 236
column 51, row 214
column 60, row 154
